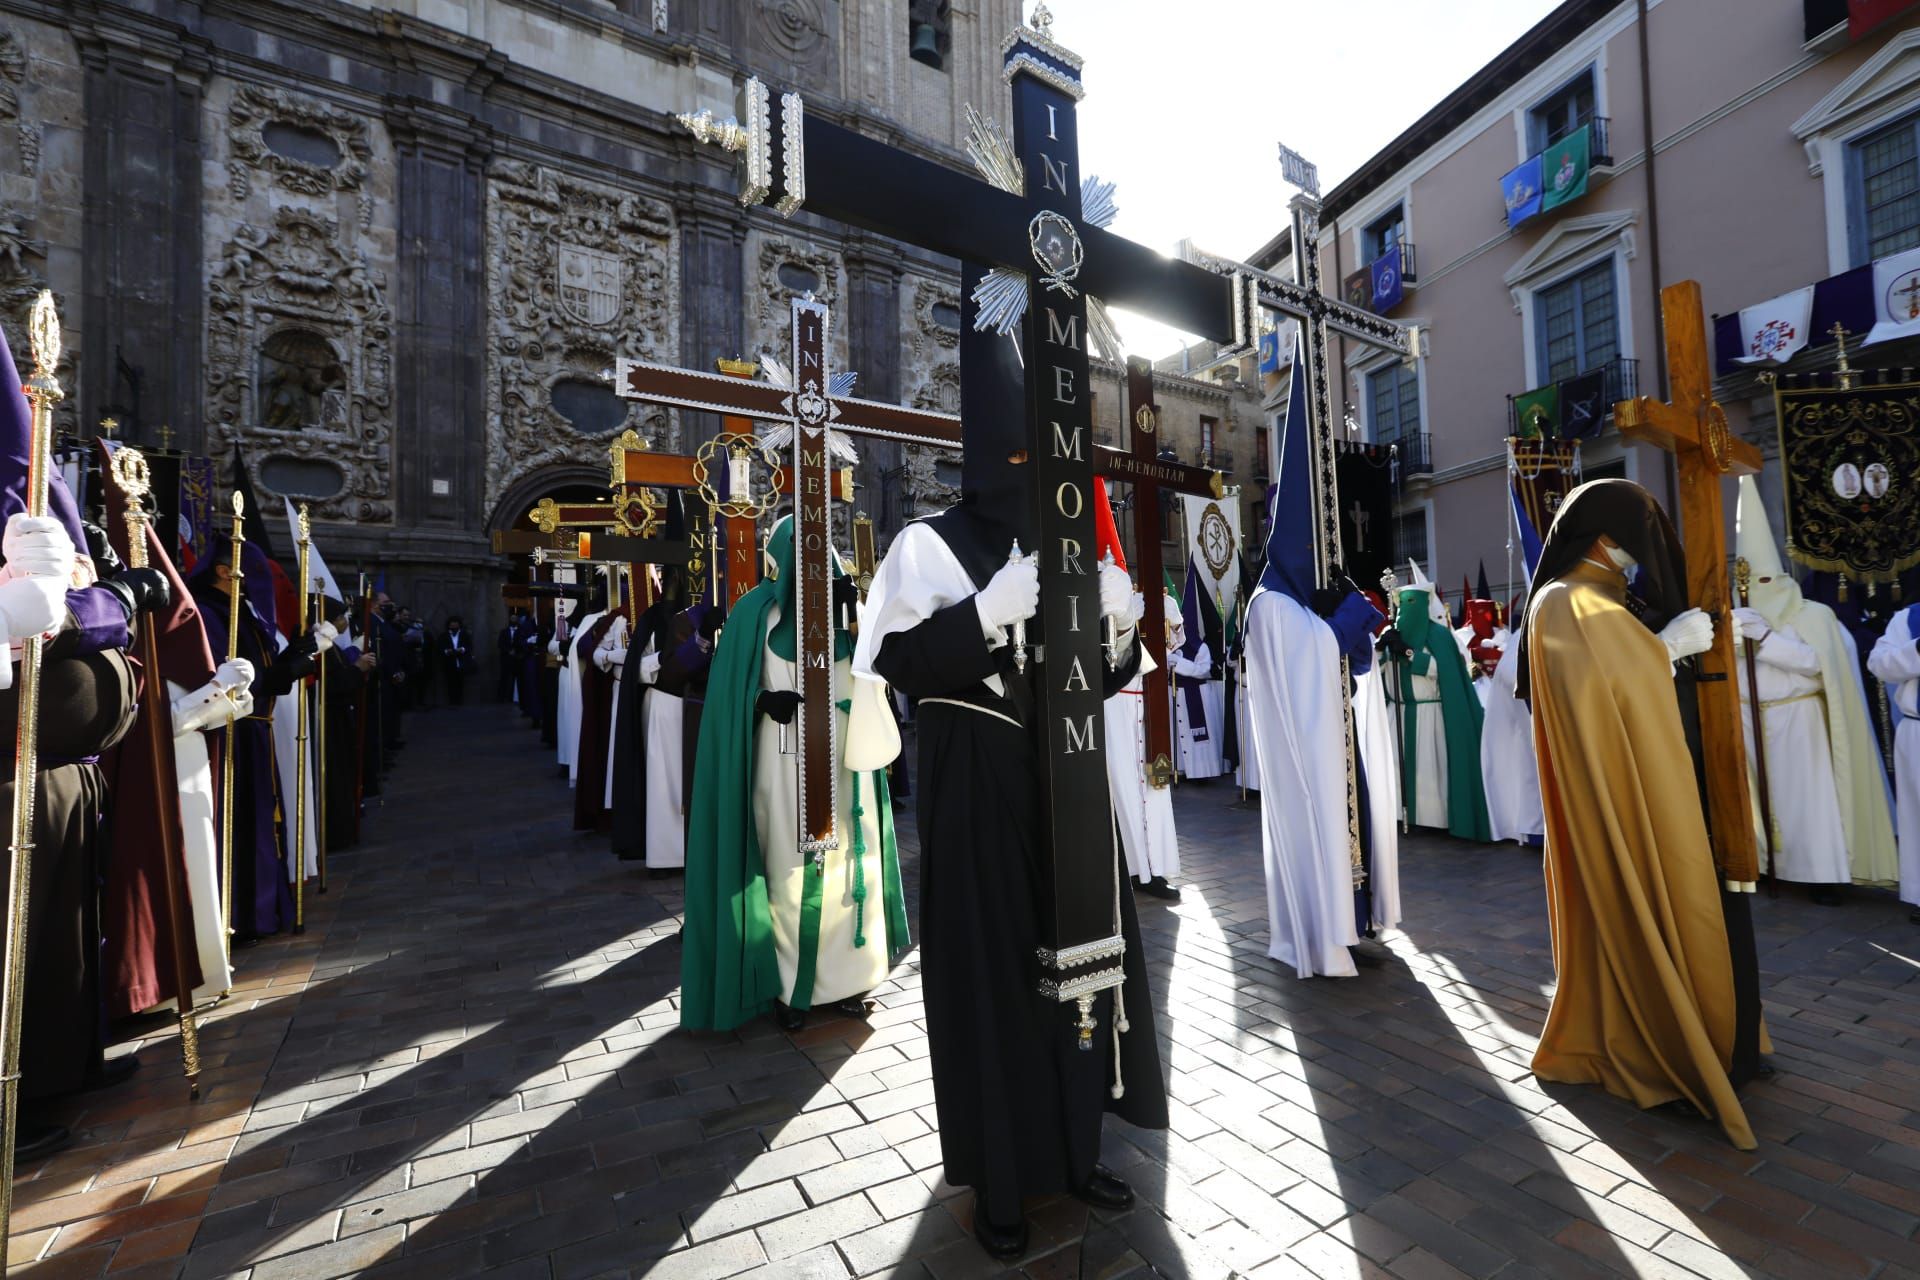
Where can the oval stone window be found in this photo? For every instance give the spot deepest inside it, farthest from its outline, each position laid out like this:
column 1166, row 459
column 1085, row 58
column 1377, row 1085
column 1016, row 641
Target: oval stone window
column 947, row 471
column 302, row 477
column 947, row 316
column 798, row 278
column 299, row 143
column 592, row 407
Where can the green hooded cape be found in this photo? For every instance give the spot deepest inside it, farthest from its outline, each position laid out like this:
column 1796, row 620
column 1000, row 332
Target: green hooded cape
column 1435, row 651
column 728, row 972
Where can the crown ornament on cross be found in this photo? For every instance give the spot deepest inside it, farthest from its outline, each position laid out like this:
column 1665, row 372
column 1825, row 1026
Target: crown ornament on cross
column 1042, row 20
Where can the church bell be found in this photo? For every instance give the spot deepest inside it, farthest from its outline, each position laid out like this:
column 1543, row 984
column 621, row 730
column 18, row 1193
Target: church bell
column 926, row 45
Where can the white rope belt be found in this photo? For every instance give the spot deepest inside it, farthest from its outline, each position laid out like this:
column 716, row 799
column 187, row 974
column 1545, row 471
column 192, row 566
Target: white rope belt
column 1769, row 704
column 971, row 706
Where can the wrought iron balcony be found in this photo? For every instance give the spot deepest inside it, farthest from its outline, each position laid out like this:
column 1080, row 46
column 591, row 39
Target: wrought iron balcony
column 1599, row 142
column 1620, row 381
column 1415, row 453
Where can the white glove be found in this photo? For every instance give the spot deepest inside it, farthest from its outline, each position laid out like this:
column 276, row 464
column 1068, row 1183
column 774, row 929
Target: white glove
column 37, row 546
column 324, row 636
column 208, row 707
column 553, row 646
column 1012, row 596
column 235, row 673
column 31, row 606
column 649, row 668
column 1752, row 625
column 1688, row 634
column 1116, row 594
column 1137, row 607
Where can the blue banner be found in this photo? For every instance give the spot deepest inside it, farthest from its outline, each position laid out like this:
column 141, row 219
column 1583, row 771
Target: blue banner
column 1270, row 352
column 1387, row 288
column 1520, row 190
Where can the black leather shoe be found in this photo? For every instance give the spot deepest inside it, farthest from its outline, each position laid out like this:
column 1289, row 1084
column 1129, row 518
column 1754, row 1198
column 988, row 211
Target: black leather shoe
column 37, row 1139
column 788, row 1019
column 1913, row 916
column 999, row 1242
column 1826, row 895
column 112, row 1072
column 1105, row 1189
column 853, row 1007
column 1159, row 888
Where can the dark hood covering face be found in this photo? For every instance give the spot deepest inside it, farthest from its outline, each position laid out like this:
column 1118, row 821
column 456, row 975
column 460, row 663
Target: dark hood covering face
column 992, row 512
column 1628, row 514
column 1289, row 551
column 256, row 590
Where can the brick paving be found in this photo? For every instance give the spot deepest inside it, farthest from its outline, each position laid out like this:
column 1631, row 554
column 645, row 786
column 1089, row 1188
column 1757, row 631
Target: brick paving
column 470, row 1064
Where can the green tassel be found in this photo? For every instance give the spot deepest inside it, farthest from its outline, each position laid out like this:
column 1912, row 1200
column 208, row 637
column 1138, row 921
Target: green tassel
column 859, row 868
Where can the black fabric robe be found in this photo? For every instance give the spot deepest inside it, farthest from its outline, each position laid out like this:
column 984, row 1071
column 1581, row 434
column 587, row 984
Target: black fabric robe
column 597, row 690
column 346, row 685
column 1020, row 1104
column 87, row 706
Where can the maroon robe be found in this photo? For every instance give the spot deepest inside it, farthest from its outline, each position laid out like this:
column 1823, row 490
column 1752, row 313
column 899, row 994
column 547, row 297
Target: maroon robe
column 139, row 939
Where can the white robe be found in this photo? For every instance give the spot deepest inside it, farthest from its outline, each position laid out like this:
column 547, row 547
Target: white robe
column 1896, row 661
column 611, row 657
column 840, row 969
column 661, row 718
column 1429, row 801
column 194, row 764
column 286, row 713
column 567, row 721
column 1379, row 753
column 1293, row 666
column 1507, row 764
column 1805, row 802
column 1203, row 757
column 1143, row 812
column 1247, row 775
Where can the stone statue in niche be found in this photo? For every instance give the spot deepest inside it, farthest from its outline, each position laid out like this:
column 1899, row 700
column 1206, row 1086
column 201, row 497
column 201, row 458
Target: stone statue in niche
column 302, row 384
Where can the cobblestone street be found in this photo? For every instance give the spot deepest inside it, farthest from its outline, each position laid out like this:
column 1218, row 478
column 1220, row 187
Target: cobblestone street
column 471, row 1064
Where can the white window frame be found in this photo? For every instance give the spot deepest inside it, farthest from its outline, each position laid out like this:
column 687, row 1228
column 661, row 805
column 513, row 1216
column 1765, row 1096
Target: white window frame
column 1558, row 74
column 1574, row 245
column 1884, row 88
column 1593, row 70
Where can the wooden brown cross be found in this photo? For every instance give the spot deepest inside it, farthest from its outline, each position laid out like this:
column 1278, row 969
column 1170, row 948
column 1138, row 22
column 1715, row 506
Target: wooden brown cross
column 1141, row 466
column 1694, row 429
column 813, row 414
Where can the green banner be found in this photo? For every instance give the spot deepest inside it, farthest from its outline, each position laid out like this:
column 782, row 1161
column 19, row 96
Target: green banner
column 1563, row 168
column 1537, row 413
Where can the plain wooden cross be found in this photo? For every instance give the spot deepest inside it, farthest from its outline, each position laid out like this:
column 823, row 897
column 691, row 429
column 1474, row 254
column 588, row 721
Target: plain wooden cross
column 812, row 412
column 1141, row 465
column 1694, row 429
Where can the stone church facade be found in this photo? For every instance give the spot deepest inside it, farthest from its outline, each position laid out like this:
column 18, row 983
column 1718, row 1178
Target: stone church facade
column 393, row 249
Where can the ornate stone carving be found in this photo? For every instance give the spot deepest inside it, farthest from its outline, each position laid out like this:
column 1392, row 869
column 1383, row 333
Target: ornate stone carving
column 255, row 109
column 13, row 71
column 29, row 148
column 930, row 364
column 279, row 300
column 578, row 275
column 796, row 29
column 660, row 15
column 786, row 269
column 23, row 261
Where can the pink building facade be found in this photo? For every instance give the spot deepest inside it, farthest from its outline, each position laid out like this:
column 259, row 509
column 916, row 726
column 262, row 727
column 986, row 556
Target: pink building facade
column 1785, row 148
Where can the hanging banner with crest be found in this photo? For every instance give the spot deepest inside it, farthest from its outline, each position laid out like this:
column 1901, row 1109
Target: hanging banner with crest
column 1213, row 545
column 1850, row 457
column 1541, row 473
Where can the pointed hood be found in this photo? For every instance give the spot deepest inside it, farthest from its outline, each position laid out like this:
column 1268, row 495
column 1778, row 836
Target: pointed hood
column 16, row 440
column 1289, row 551
column 256, row 515
column 995, row 508
column 1774, row 593
column 1107, row 533
column 181, row 637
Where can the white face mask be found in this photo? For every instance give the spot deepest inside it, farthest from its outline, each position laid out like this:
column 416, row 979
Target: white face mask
column 1621, row 560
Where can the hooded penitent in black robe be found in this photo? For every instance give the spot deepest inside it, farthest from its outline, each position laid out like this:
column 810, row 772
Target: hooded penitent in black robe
column 86, row 706
column 597, row 689
column 1020, row 1105
column 345, row 686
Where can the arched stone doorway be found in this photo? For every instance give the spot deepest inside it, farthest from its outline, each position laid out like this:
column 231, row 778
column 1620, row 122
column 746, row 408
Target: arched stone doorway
column 568, row 482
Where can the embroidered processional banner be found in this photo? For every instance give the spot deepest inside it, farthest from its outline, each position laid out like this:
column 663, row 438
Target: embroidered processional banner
column 1540, row 474
column 1368, row 480
column 1851, row 462
column 1213, row 546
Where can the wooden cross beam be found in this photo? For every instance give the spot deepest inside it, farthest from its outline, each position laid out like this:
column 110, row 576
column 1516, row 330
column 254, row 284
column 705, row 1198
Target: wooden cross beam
column 813, row 414
column 1140, row 465
column 1694, row 429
